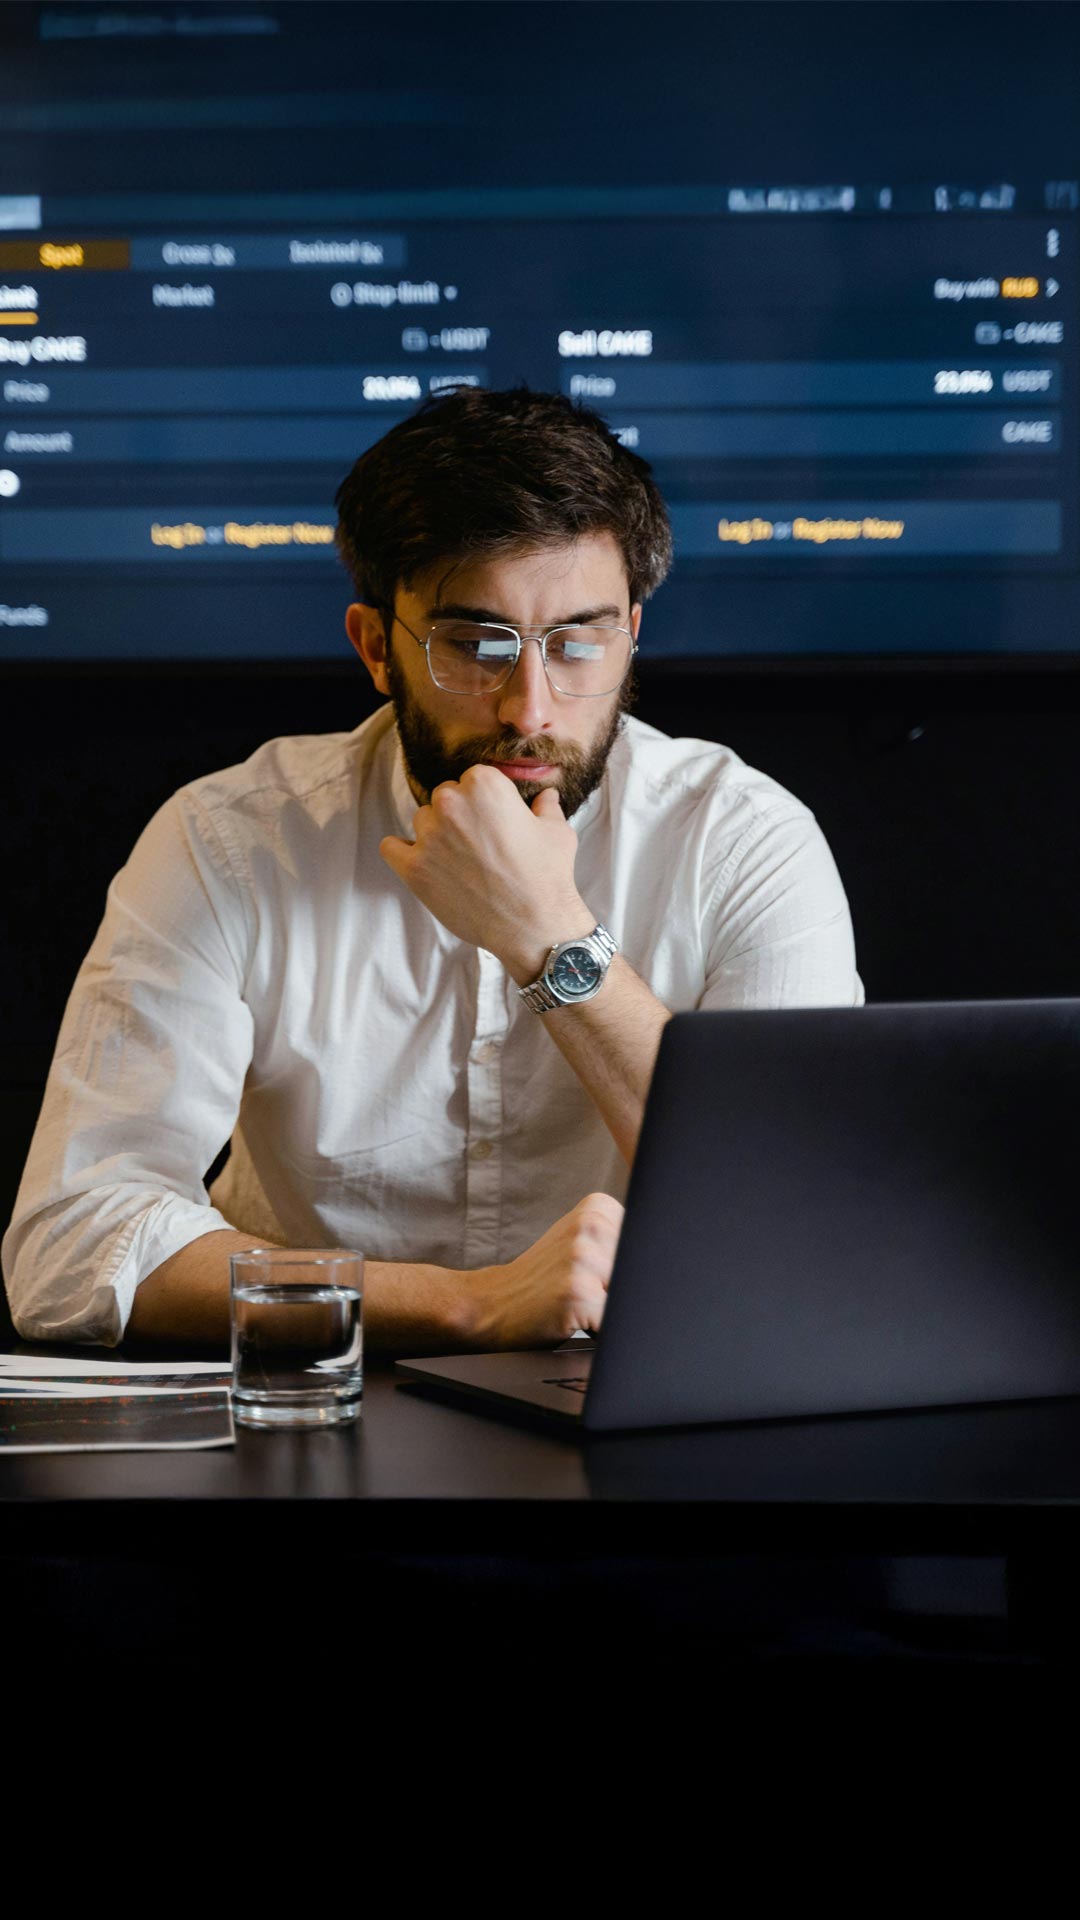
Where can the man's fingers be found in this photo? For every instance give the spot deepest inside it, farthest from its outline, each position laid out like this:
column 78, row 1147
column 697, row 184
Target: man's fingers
column 588, row 1303
column 395, row 852
column 597, row 1227
column 547, row 802
column 602, row 1210
column 599, row 1243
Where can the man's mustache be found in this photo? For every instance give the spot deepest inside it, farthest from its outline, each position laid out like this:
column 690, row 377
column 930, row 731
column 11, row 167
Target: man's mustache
column 545, row 751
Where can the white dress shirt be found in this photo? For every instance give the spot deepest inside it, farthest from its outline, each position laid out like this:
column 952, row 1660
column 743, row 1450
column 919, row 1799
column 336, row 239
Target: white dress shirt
column 260, row 973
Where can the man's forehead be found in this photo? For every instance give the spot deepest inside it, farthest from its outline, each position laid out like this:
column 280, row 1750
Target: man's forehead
column 591, row 568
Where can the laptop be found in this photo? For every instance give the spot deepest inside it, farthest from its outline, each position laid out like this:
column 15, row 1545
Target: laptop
column 831, row 1211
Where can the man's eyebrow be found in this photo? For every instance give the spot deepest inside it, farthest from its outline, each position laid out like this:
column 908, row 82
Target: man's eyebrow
column 584, row 617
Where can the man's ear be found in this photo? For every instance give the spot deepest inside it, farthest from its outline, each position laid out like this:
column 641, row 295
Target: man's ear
column 366, row 629
column 635, row 618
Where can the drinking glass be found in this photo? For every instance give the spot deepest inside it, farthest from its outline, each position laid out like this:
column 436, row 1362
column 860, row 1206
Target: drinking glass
column 297, row 1336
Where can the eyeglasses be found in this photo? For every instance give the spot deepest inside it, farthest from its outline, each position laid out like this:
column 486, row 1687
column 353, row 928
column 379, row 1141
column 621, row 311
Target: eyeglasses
column 470, row 656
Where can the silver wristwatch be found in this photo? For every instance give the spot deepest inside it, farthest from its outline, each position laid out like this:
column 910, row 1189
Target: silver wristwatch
column 574, row 970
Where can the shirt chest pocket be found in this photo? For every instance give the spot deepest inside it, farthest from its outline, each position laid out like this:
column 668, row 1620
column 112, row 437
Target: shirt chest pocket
column 394, row 1200
column 354, row 1166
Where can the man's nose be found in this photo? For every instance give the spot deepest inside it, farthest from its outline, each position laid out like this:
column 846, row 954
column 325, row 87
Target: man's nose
column 525, row 702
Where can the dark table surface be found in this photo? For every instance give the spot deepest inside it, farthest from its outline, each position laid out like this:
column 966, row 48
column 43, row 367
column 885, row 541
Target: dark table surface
column 944, row 1538
column 965, row 1480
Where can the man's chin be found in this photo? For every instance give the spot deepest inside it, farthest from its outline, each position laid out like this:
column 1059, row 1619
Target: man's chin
column 529, row 789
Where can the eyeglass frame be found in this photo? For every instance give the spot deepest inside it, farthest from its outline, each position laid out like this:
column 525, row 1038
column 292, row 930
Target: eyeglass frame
column 540, row 640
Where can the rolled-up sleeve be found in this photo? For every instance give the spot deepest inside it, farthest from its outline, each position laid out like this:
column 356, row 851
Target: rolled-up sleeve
column 779, row 930
column 144, row 1087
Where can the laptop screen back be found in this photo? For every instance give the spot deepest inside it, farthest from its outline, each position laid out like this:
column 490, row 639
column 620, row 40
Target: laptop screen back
column 844, row 1210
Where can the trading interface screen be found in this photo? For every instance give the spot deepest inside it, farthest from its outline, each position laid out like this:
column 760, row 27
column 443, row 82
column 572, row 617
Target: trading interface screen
column 238, row 244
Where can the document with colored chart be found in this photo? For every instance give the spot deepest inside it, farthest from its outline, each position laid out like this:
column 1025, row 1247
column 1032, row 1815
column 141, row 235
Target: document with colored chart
column 54, row 1404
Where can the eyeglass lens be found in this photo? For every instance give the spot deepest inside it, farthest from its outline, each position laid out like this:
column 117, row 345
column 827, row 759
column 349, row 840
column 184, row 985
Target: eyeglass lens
column 469, row 658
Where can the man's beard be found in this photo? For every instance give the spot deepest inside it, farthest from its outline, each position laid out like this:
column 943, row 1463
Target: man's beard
column 429, row 762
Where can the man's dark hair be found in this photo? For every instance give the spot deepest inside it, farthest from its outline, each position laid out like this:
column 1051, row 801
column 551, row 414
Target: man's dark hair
column 473, row 472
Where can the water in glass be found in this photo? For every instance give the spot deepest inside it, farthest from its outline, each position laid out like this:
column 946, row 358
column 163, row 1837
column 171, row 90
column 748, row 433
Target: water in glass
column 298, row 1354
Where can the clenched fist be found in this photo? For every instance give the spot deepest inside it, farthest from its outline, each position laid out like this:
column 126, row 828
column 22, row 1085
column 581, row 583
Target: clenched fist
column 556, row 1288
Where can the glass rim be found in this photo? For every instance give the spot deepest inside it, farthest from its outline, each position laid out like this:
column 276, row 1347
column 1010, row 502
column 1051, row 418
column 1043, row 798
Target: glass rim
column 296, row 1256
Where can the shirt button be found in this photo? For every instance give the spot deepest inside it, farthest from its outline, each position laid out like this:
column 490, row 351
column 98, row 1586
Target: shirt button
column 481, row 1151
column 487, row 1052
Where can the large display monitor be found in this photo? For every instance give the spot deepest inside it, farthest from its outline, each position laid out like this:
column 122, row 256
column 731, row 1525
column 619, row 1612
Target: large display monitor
column 817, row 263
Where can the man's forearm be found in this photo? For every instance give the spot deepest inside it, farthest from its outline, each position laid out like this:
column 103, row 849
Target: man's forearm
column 407, row 1308
column 611, row 1041
column 503, row 879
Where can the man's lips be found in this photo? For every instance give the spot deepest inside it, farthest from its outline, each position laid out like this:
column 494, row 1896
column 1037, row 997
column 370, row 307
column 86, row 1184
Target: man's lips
column 523, row 769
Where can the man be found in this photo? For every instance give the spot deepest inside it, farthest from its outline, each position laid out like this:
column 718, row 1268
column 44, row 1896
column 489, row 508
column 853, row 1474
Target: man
column 323, row 952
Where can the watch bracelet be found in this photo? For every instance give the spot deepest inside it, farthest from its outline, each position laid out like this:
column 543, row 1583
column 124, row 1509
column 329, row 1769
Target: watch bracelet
column 538, row 995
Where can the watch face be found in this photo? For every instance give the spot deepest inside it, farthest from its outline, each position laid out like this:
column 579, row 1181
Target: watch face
column 576, row 972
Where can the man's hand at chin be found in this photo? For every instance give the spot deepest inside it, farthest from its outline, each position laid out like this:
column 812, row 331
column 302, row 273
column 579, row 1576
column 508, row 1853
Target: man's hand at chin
column 495, row 873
